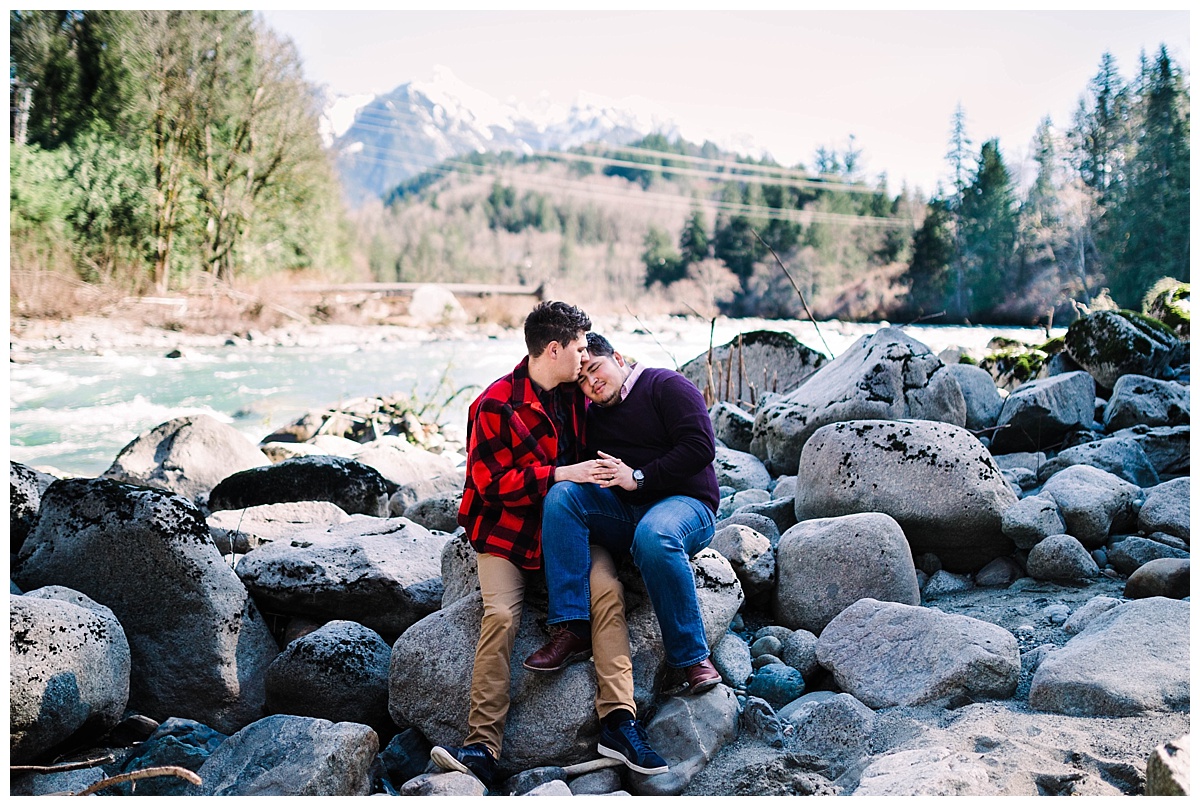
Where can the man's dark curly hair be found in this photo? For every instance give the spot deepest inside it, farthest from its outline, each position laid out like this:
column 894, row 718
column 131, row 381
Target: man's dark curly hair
column 553, row 321
column 598, row 345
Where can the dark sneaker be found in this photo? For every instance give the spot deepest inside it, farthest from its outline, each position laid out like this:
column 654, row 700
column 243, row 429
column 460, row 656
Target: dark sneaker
column 563, row 648
column 474, row 759
column 702, row 676
column 628, row 743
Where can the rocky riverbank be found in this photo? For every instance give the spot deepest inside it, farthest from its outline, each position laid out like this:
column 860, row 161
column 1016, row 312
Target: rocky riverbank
column 921, row 583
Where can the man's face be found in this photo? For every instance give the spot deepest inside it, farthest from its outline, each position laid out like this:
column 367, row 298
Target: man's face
column 601, row 379
column 571, row 358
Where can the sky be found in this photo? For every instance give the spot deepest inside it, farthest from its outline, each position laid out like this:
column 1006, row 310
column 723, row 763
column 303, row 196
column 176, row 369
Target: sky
column 788, row 81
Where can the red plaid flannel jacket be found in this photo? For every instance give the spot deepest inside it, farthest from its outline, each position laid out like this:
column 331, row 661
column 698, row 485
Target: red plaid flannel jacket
column 512, row 448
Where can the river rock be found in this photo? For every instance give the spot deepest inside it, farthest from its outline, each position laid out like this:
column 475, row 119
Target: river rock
column 741, row 471
column 436, row 305
column 827, row 564
column 760, row 523
column 777, row 683
column 338, row 672
column 767, row 360
column 1092, row 502
column 944, row 583
column 1000, row 572
column 175, row 743
column 1109, row 344
column 460, row 570
column 1121, row 456
column 147, row 555
column 384, row 573
column 1089, row 611
column 982, row 399
column 731, row 656
column 1040, row 413
column 1061, row 558
column 1138, row 400
column 353, row 486
column 937, row 481
column 1031, row 520
column 449, row 784
column 408, row 494
column 1169, row 577
column 438, row 513
column 243, row 530
column 401, row 463
column 1029, row 460
column 1131, row 553
column 1168, row 509
column 292, row 755
column 188, row 455
column 800, row 652
column 25, row 487
column 1168, row 770
column 687, row 732
column 1167, row 447
column 732, row 426
column 887, row 653
column 750, row 555
column 887, row 375
column 780, row 510
column 1128, row 661
column 927, row 771
column 68, row 664
column 836, row 730
column 601, row 782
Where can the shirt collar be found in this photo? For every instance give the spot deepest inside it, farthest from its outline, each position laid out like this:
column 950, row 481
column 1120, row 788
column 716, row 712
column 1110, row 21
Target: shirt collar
column 627, row 387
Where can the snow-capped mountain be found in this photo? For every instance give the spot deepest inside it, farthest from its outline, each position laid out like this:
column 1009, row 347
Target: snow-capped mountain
column 393, row 137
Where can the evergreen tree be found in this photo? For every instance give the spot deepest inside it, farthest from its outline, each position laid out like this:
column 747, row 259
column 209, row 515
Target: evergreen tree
column 988, row 233
column 662, row 262
column 1100, row 130
column 929, row 278
column 693, row 240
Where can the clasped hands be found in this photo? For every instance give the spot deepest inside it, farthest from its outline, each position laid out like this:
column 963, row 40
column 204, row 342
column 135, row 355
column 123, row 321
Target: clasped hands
column 607, row 471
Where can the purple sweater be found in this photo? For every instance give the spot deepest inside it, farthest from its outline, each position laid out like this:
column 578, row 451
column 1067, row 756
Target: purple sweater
column 663, row 428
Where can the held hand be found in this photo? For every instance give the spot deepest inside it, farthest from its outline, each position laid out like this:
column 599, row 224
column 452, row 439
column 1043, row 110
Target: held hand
column 589, row 472
column 621, row 474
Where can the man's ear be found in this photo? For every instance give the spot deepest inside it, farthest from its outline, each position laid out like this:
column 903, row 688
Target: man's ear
column 618, row 358
column 553, row 349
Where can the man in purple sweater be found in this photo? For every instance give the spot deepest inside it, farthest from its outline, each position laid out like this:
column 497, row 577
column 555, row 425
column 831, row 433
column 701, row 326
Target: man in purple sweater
column 651, row 428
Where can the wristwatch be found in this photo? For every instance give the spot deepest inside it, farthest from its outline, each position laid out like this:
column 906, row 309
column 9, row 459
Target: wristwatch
column 639, row 477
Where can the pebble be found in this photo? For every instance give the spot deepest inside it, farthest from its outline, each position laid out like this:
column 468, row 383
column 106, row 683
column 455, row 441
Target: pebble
column 1057, row 613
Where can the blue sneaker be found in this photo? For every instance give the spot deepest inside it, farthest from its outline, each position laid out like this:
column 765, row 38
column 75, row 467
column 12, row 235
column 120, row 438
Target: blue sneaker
column 629, row 744
column 474, row 759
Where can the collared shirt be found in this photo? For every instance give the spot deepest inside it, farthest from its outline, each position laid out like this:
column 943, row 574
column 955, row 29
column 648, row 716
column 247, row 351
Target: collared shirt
column 513, row 447
column 627, row 387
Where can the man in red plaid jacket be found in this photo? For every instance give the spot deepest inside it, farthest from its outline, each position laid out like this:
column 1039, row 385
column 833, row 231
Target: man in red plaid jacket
column 524, row 433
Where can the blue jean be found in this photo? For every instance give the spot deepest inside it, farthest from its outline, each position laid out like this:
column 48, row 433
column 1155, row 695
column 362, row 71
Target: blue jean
column 660, row 537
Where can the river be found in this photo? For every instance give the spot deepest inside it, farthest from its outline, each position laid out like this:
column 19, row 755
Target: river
column 73, row 410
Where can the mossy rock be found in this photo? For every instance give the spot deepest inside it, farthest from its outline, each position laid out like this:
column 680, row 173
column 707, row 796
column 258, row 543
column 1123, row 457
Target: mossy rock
column 1109, row 344
column 1013, row 367
column 1169, row 301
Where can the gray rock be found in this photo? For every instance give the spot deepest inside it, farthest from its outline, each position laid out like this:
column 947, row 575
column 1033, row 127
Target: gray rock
column 1084, row 615
column 927, row 771
column 800, row 652
column 785, row 487
column 1121, row 456
column 419, row 489
column 188, row 455
column 338, row 672
column 1020, row 479
column 760, row 523
column 175, row 743
column 1167, row 447
column 1168, row 770
column 384, row 573
column 551, row 789
column 1093, row 504
column 935, row 479
column 448, row 784
column 1166, row 577
column 1138, row 400
column 1027, row 460
column 982, row 399
column 827, row 564
column 777, row 683
column 53, row 783
column 733, row 426
column 886, row 653
column 292, row 755
column 1061, row 558
column 750, row 555
column 741, row 471
column 1168, row 509
column 439, row 513
column 402, row 463
column 460, row 570
column 780, row 510
column 1031, row 520
column 528, row 780
column 26, row 486
column 759, row 722
column 433, row 305
column 351, row 485
column 1040, row 413
column 406, row 756
column 944, row 583
column 687, row 732
column 884, row 376
column 68, row 669
column 1000, row 572
column 768, row 644
column 1109, row 344
column 243, row 530
column 759, row 361
column 745, row 498
column 1128, row 661
column 1170, row 540
column 1132, row 553
column 765, row 659
column 601, row 782
column 836, row 730
column 147, row 555
column 775, row 630
column 731, row 656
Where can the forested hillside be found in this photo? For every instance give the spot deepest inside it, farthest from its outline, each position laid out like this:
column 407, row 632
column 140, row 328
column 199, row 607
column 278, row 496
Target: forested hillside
column 152, row 150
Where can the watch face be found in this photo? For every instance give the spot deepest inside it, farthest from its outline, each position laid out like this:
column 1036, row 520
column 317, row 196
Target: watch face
column 639, row 475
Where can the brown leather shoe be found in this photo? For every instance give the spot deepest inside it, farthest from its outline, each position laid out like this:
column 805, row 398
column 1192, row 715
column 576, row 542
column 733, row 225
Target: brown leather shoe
column 702, row 676
column 563, row 648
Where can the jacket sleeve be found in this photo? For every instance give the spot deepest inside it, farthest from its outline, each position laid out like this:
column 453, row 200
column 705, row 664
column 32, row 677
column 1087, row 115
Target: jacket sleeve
column 689, row 431
column 507, row 465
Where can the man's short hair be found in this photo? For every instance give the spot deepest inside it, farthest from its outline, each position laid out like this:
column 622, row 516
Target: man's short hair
column 553, row 321
column 598, row 345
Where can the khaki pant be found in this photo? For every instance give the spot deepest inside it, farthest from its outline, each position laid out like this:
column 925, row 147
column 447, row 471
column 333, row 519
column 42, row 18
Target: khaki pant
column 503, row 588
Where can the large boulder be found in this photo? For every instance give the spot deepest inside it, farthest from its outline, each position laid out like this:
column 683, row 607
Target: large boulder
column 1093, row 504
column 827, row 564
column 750, row 555
column 732, row 426
column 351, row 485
column 188, row 455
column 68, row 667
column 427, row 487
column 1061, row 558
column 1169, row 768
column 1130, row 660
column 937, row 481
column 927, row 771
column 688, row 732
column 384, row 573
column 402, row 463
column 199, row 647
column 25, row 489
column 1031, row 520
column 436, row 305
column 741, row 471
column 437, row 513
column 1130, row 553
column 292, row 755
column 1169, row 577
column 338, row 672
column 982, row 399
column 1109, row 344
column 887, row 653
column 1121, row 456
column 1138, row 400
column 751, row 364
column 175, row 743
column 887, row 375
column 243, row 530
column 1040, row 413
column 1170, row 302
column 1168, row 509
column 1167, row 447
